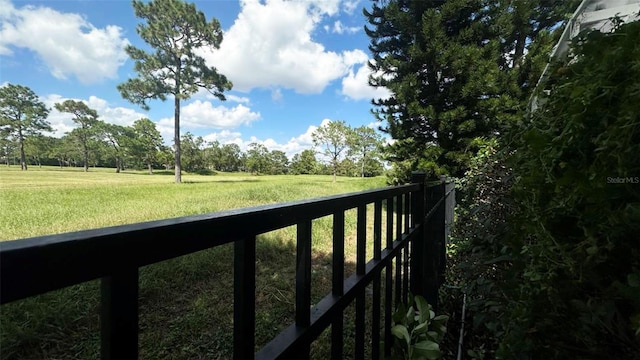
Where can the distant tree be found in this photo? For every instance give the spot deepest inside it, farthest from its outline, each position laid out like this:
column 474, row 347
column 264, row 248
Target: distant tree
column 193, row 152
column 304, row 162
column 348, row 167
column 7, row 146
column 175, row 30
column 119, row 139
column 22, row 115
column 333, row 138
column 86, row 118
column 38, row 148
column 147, row 142
column 212, row 153
column 364, row 145
column 257, row 158
column 231, row 157
column 278, row 162
column 165, row 156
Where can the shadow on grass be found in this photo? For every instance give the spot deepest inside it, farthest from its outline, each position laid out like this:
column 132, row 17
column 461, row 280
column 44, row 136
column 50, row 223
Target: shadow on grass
column 185, row 308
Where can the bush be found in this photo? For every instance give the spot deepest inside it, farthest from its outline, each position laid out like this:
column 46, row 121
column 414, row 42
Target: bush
column 549, row 237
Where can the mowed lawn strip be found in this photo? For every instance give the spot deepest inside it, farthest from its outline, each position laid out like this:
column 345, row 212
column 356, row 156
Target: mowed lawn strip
column 186, row 304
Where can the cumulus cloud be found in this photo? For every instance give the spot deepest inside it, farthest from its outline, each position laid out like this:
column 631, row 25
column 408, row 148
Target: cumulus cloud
column 66, row 43
column 63, row 123
column 338, row 28
column 202, row 114
column 224, row 137
column 356, row 85
column 270, row 45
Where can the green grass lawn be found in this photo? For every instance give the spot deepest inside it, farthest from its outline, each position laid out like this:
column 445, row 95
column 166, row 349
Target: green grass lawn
column 185, row 303
column 52, row 200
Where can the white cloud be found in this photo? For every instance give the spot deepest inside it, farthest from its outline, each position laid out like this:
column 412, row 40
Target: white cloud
column 67, row 43
column 238, row 99
column 202, row 114
column 341, row 29
column 62, row 122
column 356, row 86
column 350, row 5
column 270, row 45
column 224, row 137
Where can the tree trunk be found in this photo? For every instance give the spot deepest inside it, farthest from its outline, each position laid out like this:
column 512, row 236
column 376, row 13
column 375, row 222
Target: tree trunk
column 85, row 153
column 364, row 158
column 117, row 165
column 149, row 166
column 23, row 158
column 335, row 169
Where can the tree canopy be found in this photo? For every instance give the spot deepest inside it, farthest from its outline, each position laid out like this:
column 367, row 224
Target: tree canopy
column 86, row 118
column 176, row 31
column 333, row 138
column 22, row 115
column 457, row 73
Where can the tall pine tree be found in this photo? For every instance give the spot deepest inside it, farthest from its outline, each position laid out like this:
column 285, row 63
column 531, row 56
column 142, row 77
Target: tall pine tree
column 459, row 71
column 175, row 30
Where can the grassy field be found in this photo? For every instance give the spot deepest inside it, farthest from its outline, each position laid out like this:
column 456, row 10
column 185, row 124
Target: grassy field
column 185, row 303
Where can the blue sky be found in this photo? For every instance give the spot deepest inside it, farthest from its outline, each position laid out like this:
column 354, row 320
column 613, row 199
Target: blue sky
column 294, row 65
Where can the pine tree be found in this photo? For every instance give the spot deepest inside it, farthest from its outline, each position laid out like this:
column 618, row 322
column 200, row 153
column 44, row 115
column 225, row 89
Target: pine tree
column 175, row 30
column 457, row 71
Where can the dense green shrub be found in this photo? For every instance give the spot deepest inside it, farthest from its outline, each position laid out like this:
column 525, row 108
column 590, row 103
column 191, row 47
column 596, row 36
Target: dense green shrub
column 556, row 250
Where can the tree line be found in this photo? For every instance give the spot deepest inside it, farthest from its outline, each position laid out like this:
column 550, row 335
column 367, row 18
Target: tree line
column 96, row 143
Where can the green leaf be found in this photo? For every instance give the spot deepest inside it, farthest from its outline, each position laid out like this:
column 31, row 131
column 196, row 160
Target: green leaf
column 401, row 333
column 423, row 308
column 410, row 314
column 421, row 328
column 428, row 349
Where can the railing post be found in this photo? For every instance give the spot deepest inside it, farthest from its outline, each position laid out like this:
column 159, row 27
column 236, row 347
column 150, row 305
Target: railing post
column 244, row 298
column 435, row 234
column 119, row 315
column 418, row 245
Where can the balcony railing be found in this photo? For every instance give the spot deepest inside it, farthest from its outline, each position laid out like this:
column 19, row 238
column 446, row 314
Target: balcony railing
column 413, row 259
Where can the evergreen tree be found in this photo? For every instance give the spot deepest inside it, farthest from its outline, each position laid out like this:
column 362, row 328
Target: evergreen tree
column 457, row 71
column 86, row 118
column 22, row 115
column 147, row 143
column 175, row 30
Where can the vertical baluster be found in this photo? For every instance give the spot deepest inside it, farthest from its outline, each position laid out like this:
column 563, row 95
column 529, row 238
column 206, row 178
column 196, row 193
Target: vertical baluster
column 361, row 244
column 377, row 254
column 398, row 285
column 303, row 281
column 119, row 315
column 337, row 283
column 244, row 296
column 407, row 249
column 388, row 284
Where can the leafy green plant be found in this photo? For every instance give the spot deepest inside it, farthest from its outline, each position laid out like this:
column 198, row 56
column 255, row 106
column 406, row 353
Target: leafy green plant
column 417, row 330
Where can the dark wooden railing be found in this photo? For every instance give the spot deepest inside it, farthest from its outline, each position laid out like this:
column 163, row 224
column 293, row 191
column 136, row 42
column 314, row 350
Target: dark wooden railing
column 415, row 245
